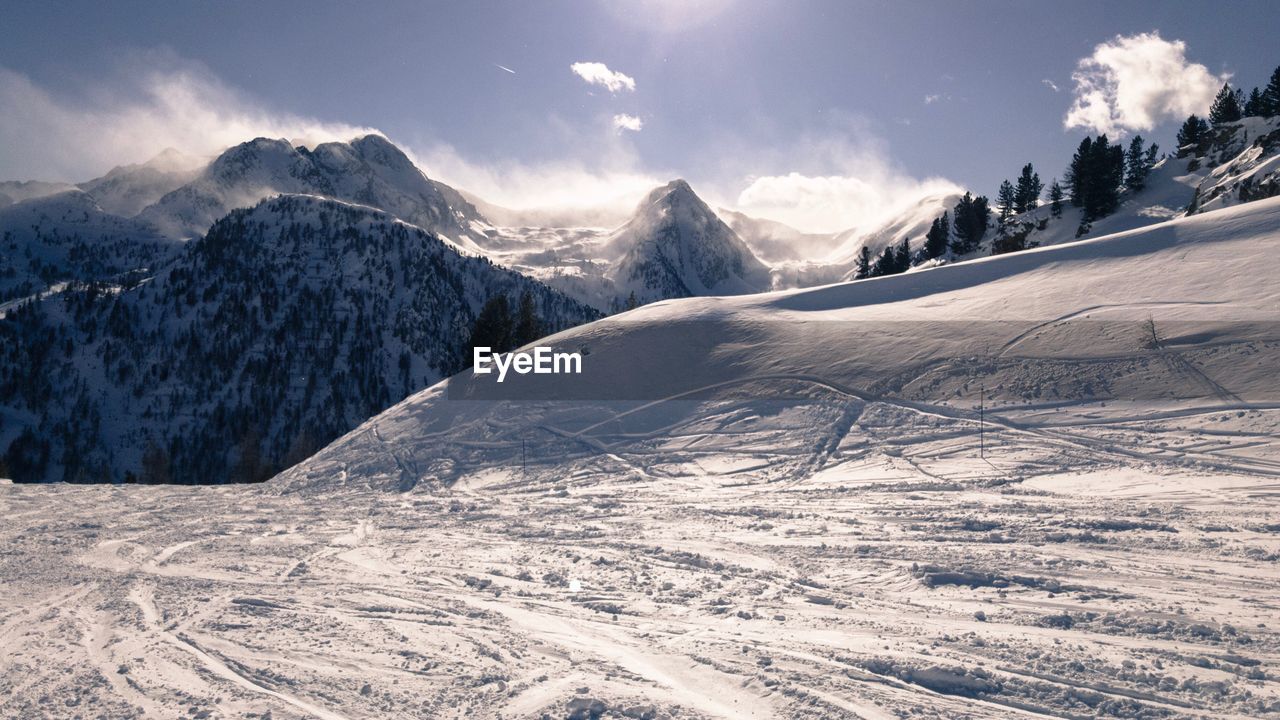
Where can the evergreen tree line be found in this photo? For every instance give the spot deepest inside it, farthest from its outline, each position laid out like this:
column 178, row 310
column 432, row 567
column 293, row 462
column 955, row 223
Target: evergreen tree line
column 960, row 232
column 499, row 329
column 1015, row 200
column 1098, row 172
column 1233, row 105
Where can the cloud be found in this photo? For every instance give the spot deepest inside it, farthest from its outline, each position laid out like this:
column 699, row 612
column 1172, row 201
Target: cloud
column 1050, row 84
column 75, row 138
column 931, row 99
column 604, row 191
column 627, row 122
column 595, row 73
column 835, row 182
column 1133, row 82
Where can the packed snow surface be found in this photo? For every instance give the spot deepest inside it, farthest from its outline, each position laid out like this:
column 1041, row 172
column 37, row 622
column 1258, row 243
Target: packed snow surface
column 1038, row 484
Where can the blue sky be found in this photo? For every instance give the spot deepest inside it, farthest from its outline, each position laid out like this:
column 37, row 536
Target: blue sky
column 859, row 102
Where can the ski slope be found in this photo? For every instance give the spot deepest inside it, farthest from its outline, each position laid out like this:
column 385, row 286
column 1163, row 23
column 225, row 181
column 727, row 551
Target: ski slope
column 1065, row 328
column 789, row 505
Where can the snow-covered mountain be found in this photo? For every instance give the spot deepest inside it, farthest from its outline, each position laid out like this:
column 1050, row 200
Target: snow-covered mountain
column 13, row 191
column 673, row 245
column 287, row 324
column 775, row 242
column 369, row 170
column 127, row 189
column 676, row 246
column 1178, row 316
column 68, row 236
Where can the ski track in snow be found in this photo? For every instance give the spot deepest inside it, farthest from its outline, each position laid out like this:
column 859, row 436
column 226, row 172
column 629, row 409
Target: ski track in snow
column 726, row 597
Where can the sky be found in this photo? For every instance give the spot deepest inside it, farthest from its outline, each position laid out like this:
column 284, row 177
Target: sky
column 821, row 114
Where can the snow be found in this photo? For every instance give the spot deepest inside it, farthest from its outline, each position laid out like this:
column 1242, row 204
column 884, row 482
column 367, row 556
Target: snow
column 1040, row 483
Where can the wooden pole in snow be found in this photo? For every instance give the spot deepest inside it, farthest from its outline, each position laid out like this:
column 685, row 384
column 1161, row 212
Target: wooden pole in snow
column 982, row 422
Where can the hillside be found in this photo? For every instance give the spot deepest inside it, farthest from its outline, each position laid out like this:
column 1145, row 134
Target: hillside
column 67, row 236
column 284, row 326
column 1018, row 322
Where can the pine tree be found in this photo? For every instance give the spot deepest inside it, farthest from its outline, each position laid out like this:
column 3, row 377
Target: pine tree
column 1028, row 190
column 1136, row 165
column 493, row 328
column 1095, row 175
column 1106, row 175
column 528, row 327
column 902, row 258
column 1271, row 96
column 1055, row 198
column 886, row 264
column 1005, row 200
column 935, row 242
column 863, row 266
column 1253, row 107
column 969, row 223
column 1193, row 131
column 1077, row 175
column 1226, row 106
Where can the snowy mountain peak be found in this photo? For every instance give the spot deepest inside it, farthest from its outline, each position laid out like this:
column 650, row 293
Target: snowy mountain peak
column 675, row 189
column 170, row 159
column 676, row 246
column 368, row 170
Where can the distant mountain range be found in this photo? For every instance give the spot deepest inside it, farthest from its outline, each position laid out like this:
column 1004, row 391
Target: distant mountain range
column 207, row 321
column 284, row 326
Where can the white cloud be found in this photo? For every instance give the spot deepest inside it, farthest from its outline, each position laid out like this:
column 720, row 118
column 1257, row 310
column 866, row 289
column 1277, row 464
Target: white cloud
column 931, row 99
column 595, row 73
column 835, row 184
column 608, row 188
column 43, row 136
column 1133, row 82
column 627, row 122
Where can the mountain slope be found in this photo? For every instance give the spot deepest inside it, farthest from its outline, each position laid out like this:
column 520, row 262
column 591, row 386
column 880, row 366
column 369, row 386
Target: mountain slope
column 1245, row 161
column 127, row 189
column 68, row 236
column 287, row 324
column 1059, row 327
column 19, row 190
column 676, row 246
column 1237, row 162
column 912, row 223
column 368, row 170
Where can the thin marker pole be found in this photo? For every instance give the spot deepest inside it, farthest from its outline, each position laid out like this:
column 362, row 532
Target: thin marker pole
column 982, row 422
